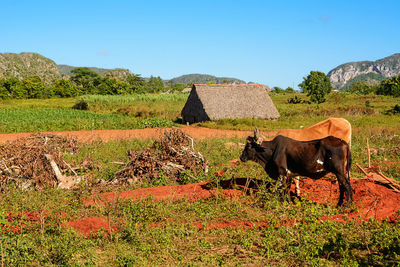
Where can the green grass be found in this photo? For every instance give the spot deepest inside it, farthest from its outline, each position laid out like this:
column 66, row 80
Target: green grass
column 52, row 119
column 163, row 233
column 166, row 106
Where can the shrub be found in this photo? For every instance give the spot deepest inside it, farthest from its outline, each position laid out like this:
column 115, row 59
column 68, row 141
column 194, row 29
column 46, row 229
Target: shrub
column 390, row 87
column 81, row 105
column 393, row 111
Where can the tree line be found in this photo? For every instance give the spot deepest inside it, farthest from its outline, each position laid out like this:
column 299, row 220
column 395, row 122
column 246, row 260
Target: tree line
column 82, row 81
column 317, row 86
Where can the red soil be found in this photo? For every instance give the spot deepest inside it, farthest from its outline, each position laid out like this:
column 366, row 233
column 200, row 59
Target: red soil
column 191, row 192
column 90, row 225
column 373, row 200
column 18, row 222
column 142, row 134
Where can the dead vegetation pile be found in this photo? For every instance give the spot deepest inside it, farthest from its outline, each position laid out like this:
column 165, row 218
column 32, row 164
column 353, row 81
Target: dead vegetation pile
column 35, row 161
column 173, row 156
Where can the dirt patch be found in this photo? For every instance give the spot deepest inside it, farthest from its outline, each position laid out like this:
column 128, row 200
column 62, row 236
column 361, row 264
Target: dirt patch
column 142, row 134
column 90, row 226
column 373, row 200
column 191, row 192
column 21, row 221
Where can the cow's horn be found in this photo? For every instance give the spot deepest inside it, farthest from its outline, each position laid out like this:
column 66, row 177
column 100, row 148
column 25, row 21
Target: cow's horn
column 256, row 133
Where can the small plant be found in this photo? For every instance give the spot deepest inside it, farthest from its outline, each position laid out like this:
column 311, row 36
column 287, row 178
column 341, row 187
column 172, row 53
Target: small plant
column 81, row 105
column 297, row 100
column 393, row 111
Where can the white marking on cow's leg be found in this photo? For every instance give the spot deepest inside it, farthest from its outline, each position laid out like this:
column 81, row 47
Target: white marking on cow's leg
column 296, row 181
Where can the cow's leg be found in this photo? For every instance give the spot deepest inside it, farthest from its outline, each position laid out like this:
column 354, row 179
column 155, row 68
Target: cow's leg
column 297, row 183
column 344, row 188
column 285, row 193
column 341, row 195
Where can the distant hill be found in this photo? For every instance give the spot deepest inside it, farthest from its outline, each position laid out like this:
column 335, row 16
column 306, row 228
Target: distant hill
column 25, row 65
column 205, row 78
column 370, row 71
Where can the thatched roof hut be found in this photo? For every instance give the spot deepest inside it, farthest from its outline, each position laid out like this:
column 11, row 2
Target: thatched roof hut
column 219, row 101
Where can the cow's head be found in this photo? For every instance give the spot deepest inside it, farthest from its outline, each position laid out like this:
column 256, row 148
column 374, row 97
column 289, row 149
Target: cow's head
column 252, row 146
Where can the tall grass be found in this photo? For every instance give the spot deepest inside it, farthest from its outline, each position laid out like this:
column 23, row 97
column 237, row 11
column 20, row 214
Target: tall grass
column 131, row 99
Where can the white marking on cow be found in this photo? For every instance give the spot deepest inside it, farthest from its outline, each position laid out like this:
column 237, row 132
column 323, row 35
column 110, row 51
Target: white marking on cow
column 320, row 162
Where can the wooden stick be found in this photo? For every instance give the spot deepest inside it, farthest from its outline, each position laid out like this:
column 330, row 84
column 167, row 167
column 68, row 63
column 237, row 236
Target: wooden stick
column 57, row 172
column 117, row 162
column 391, row 184
column 388, row 179
column 369, row 155
column 361, row 169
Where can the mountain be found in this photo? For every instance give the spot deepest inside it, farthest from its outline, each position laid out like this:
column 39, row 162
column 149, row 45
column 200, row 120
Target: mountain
column 370, row 71
column 204, row 78
column 25, row 65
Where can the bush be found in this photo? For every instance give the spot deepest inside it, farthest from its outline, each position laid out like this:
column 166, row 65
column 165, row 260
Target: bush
column 393, row 111
column 297, row 100
column 81, row 105
column 390, row 87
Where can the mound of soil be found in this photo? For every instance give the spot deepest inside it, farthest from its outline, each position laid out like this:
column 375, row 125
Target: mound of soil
column 372, row 199
column 90, row 225
column 191, row 192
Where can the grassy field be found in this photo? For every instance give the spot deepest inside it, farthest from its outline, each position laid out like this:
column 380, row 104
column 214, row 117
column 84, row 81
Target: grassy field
column 126, row 112
column 163, row 233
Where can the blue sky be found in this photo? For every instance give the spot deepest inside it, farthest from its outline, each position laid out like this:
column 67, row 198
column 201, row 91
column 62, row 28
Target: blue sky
column 272, row 42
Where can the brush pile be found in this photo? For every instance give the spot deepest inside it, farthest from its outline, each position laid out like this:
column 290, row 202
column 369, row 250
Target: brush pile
column 173, row 156
column 35, row 161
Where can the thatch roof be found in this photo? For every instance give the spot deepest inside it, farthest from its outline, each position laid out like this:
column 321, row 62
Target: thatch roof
column 219, row 101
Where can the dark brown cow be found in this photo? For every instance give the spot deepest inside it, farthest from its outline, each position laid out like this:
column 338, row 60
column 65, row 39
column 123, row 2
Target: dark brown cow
column 286, row 157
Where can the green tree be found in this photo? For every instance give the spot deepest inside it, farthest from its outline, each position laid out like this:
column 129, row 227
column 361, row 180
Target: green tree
column 277, row 90
column 361, row 88
column 9, row 88
column 113, row 87
column 65, row 88
column 136, row 83
column 289, row 90
column 317, row 85
column 35, row 88
column 86, row 79
column 390, row 87
column 155, row 84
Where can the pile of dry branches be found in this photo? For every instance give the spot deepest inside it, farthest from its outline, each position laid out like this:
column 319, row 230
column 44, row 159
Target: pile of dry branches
column 35, row 161
column 173, row 155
